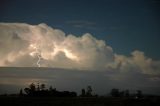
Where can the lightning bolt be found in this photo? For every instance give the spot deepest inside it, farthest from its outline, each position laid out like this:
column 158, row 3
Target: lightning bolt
column 38, row 52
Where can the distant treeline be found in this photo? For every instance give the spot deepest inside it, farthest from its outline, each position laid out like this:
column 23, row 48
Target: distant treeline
column 40, row 95
column 40, row 90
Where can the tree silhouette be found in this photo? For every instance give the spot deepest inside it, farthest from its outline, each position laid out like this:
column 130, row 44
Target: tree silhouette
column 27, row 90
column 21, row 92
column 89, row 91
column 50, row 88
column 31, row 90
column 42, row 86
column 115, row 92
column 32, row 87
column 139, row 94
column 83, row 93
column 38, row 88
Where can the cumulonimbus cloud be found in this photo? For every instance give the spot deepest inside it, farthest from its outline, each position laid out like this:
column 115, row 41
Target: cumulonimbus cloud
column 24, row 45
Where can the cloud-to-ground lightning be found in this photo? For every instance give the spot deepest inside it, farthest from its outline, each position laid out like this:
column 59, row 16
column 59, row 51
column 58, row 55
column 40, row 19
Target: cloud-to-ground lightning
column 36, row 52
column 39, row 57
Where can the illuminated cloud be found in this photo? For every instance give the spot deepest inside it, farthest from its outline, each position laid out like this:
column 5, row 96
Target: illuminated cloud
column 136, row 62
column 31, row 45
column 24, row 45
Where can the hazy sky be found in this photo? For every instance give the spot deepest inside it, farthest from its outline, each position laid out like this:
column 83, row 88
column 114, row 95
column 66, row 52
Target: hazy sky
column 113, row 41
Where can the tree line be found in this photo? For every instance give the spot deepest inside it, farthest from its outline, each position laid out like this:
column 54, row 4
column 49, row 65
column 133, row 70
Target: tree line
column 40, row 90
column 125, row 93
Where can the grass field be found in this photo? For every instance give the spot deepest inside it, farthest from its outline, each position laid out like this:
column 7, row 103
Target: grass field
column 77, row 101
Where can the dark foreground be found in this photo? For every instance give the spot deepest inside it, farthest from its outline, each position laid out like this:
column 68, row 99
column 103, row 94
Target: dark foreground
column 77, row 101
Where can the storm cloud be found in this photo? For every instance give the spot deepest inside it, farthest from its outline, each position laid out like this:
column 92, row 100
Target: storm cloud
column 24, row 45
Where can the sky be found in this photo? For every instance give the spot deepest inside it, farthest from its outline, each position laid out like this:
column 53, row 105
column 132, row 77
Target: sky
column 126, row 25
column 118, row 39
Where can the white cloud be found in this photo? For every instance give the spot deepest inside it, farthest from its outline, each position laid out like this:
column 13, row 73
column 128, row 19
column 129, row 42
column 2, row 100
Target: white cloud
column 21, row 45
column 136, row 62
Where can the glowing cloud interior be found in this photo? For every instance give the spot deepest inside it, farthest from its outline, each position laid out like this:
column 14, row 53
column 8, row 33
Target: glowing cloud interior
column 24, row 45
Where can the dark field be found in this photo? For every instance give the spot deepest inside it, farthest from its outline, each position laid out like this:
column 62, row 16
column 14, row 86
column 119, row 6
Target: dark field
column 77, row 101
